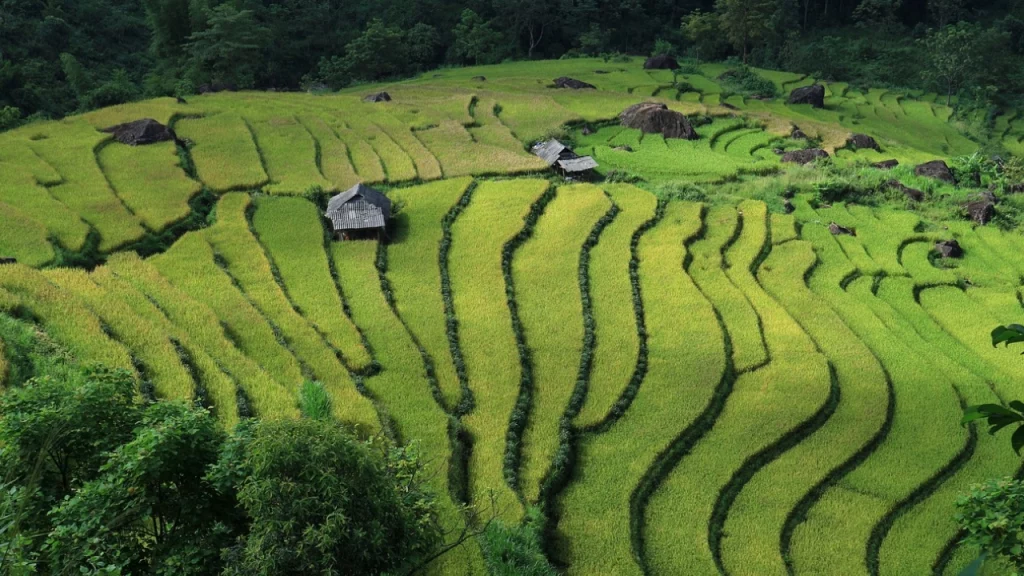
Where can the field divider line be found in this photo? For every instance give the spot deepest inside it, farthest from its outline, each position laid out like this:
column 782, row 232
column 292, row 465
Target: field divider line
column 799, row 512
column 694, row 432
column 318, row 151
column 259, row 152
column 563, row 464
column 920, row 494
column 640, row 369
column 250, row 211
column 466, row 402
column 679, row 447
column 520, row 413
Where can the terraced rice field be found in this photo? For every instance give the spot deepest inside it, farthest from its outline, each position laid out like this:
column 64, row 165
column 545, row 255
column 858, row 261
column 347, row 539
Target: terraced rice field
column 681, row 387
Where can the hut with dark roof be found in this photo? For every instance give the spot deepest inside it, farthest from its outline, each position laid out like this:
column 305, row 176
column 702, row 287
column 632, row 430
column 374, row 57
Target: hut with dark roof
column 562, row 158
column 359, row 212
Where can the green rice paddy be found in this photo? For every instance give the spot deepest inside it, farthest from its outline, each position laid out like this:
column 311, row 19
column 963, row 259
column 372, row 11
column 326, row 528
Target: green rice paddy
column 682, row 381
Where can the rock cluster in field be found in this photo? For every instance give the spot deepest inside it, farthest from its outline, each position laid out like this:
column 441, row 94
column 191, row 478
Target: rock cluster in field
column 935, row 169
column 981, row 207
column 911, row 193
column 804, row 156
column 813, row 95
column 572, row 84
column 862, row 142
column 949, row 249
column 656, row 118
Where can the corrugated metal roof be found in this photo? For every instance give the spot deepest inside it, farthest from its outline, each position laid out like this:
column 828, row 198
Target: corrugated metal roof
column 356, row 215
column 580, row 164
column 364, row 192
column 551, row 151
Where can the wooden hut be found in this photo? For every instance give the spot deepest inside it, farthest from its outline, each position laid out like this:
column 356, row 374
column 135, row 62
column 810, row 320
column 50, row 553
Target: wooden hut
column 562, row 158
column 359, row 212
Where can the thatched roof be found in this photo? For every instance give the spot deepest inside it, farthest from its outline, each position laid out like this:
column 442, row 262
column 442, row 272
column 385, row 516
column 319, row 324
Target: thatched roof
column 139, row 132
column 359, row 207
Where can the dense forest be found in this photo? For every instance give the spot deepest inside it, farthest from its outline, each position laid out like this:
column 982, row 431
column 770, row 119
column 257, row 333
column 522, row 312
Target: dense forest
column 62, row 56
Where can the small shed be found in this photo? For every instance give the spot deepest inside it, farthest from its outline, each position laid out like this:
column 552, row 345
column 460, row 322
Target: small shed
column 358, row 212
column 563, row 159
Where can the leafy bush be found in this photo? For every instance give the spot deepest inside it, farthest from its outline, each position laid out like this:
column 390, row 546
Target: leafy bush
column 992, row 515
column 744, row 81
column 511, row 550
column 319, row 499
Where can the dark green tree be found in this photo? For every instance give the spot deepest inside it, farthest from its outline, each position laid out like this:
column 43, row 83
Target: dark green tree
column 745, row 22
column 952, row 55
column 230, row 49
column 476, row 41
column 151, row 509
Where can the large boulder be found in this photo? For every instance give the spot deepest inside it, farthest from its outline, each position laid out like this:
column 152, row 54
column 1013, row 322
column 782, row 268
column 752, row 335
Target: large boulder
column 981, row 207
column 862, row 142
column 804, row 156
column 935, row 169
column 886, row 164
column 572, row 84
column 377, row 97
column 661, row 62
column 912, row 194
column 949, row 249
column 141, row 132
column 798, row 134
column 813, row 95
column 656, row 118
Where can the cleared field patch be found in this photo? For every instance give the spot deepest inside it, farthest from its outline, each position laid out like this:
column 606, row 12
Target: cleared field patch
column 269, row 398
column 291, row 230
column 599, row 511
column 493, row 217
column 224, row 152
column 290, row 154
column 246, row 263
column 150, row 181
column 546, row 273
column 415, row 274
column 402, row 387
column 617, row 340
column 83, row 187
column 149, row 345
